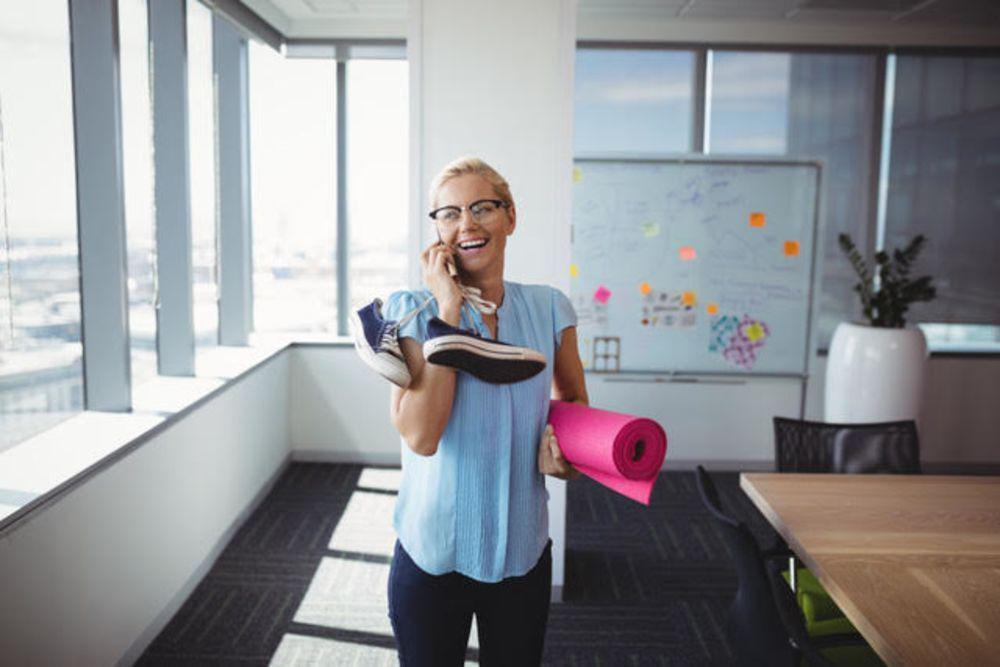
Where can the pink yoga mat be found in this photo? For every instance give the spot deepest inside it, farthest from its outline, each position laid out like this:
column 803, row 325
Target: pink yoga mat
column 622, row 452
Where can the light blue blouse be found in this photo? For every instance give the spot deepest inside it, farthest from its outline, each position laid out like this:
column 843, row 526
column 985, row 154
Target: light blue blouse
column 478, row 506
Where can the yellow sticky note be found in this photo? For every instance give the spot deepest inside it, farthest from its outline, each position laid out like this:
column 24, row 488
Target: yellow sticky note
column 650, row 229
column 574, row 270
column 791, row 248
column 712, row 308
column 645, row 288
column 688, row 253
column 758, row 219
column 689, row 298
column 754, row 332
column 577, row 174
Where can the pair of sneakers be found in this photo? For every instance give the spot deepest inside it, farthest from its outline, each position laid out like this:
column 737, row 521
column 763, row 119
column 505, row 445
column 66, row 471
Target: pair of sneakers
column 377, row 342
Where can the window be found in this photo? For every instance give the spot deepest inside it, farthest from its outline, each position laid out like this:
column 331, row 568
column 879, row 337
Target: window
column 748, row 103
column 807, row 105
column 201, row 151
column 831, row 114
column 41, row 376
column 944, row 182
column 377, row 177
column 137, row 169
column 633, row 101
column 293, row 144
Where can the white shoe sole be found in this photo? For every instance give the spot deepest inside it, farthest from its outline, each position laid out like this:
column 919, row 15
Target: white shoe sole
column 386, row 365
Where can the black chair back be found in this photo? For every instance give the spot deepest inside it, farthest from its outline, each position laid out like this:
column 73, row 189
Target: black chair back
column 756, row 630
column 807, row 446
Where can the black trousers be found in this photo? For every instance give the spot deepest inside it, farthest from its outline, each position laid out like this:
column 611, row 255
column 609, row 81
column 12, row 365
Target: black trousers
column 431, row 614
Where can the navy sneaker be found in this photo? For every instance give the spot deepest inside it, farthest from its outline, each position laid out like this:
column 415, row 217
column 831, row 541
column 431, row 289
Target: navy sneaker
column 377, row 344
column 488, row 360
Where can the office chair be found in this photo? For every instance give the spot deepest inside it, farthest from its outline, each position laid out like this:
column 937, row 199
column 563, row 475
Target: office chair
column 807, row 446
column 765, row 624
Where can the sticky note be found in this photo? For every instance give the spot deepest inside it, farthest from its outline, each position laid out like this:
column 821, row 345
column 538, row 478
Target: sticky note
column 650, row 229
column 645, row 288
column 574, row 270
column 688, row 298
column 602, row 294
column 712, row 308
column 577, row 174
column 754, row 332
column 757, row 219
column 791, row 248
column 688, row 253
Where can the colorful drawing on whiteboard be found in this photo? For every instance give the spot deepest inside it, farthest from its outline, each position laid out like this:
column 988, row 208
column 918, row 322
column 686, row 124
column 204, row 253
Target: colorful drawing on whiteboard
column 723, row 328
column 738, row 339
column 671, row 309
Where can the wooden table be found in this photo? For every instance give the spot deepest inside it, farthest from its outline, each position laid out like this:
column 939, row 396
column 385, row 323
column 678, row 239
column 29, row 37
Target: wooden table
column 912, row 560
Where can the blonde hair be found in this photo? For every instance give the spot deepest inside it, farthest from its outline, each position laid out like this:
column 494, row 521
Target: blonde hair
column 464, row 166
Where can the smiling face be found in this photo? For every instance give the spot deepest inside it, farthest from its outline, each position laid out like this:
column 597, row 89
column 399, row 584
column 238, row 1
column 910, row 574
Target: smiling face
column 480, row 244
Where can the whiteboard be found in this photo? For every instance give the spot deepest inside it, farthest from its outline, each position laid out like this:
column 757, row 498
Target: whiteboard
column 694, row 265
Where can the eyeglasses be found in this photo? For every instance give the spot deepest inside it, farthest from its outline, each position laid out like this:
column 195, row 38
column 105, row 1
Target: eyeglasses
column 481, row 211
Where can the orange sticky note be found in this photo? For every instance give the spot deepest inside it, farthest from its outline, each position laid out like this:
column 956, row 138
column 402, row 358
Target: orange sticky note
column 791, row 248
column 688, row 298
column 687, row 253
column 757, row 219
column 645, row 288
column 712, row 308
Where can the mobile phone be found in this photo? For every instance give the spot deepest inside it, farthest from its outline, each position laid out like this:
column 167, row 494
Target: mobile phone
column 452, row 269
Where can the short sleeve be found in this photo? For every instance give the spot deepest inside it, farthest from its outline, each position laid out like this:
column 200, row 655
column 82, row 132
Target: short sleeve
column 563, row 315
column 402, row 303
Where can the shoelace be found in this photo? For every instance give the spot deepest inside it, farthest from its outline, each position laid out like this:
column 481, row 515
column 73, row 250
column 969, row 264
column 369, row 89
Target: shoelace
column 471, row 296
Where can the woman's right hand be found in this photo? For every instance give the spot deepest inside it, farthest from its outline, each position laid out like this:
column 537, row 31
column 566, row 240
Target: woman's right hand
column 437, row 277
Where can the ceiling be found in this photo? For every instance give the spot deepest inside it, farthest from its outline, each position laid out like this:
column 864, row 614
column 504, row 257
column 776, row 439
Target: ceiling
column 930, row 22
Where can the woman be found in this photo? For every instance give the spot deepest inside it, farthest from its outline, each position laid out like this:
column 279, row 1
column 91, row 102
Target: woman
column 472, row 515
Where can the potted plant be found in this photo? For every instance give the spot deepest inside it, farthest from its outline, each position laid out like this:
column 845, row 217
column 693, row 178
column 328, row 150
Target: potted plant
column 875, row 369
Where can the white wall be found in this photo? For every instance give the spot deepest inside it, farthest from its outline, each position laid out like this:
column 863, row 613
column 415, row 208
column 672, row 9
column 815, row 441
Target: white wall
column 495, row 79
column 91, row 577
column 339, row 408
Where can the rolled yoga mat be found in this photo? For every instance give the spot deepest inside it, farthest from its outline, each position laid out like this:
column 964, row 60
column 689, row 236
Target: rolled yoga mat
column 622, row 452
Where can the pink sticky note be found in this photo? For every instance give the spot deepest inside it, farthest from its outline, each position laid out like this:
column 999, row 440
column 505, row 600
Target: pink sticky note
column 602, row 294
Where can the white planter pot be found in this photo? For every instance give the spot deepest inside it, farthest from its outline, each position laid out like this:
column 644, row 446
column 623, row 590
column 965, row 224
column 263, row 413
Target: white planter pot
column 874, row 374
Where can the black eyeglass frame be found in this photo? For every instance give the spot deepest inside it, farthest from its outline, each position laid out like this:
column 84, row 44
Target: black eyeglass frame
column 499, row 203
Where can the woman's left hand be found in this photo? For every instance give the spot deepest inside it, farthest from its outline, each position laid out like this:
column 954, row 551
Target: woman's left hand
column 550, row 458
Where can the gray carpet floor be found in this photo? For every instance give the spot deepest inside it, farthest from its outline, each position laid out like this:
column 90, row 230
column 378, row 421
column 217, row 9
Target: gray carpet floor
column 303, row 581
